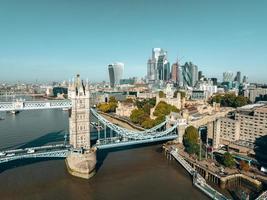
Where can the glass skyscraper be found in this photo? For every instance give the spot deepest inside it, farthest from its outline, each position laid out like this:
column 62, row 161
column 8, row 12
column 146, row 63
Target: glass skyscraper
column 189, row 74
column 115, row 73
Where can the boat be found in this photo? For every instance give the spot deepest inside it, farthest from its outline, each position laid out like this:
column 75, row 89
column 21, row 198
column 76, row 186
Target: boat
column 14, row 112
column 65, row 109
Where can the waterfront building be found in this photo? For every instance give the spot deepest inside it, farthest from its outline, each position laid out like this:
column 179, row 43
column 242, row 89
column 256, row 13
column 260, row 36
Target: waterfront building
column 256, row 94
column 115, row 73
column 246, row 124
column 190, row 74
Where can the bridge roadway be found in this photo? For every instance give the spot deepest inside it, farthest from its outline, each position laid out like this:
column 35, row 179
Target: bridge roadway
column 50, row 151
column 198, row 180
column 34, row 105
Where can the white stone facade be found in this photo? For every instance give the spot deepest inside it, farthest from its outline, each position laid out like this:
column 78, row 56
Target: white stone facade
column 79, row 119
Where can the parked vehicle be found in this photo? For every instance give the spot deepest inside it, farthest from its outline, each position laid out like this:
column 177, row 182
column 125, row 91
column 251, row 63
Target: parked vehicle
column 31, row 151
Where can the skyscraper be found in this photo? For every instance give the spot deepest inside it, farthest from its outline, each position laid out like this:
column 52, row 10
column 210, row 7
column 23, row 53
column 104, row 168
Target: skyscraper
column 228, row 76
column 190, row 74
column 158, row 67
column 238, row 77
column 174, row 72
column 115, row 73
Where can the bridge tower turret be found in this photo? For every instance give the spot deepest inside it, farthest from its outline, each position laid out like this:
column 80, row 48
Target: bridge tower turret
column 80, row 163
column 79, row 118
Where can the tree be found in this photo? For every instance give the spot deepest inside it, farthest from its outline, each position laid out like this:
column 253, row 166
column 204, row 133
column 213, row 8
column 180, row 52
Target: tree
column 148, row 123
column 228, row 160
column 244, row 165
column 230, row 99
column 162, row 94
column 164, row 109
column 190, row 140
column 138, row 116
column 112, row 99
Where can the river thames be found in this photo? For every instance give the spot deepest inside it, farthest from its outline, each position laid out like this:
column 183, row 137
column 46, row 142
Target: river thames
column 129, row 173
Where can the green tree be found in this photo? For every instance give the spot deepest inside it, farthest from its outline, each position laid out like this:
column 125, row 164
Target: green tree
column 148, row 123
column 230, row 100
column 164, row 109
column 138, row 116
column 190, row 140
column 162, row 94
column 228, row 160
column 112, row 99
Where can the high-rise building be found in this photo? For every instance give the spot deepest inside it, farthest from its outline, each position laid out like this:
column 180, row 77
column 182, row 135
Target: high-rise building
column 163, row 67
column 174, row 72
column 228, row 76
column 190, row 74
column 115, row 73
column 238, row 77
column 214, row 81
column 158, row 67
column 200, row 75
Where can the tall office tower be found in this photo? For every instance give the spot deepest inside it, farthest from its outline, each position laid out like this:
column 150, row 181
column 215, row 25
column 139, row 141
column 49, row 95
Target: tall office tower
column 190, row 74
column 238, row 77
column 180, row 76
column 200, row 75
column 158, row 67
column 228, row 76
column 174, row 72
column 115, row 73
column 151, row 69
column 79, row 120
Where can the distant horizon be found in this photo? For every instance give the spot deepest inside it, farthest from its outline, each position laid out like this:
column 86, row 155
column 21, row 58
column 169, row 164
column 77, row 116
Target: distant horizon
column 52, row 41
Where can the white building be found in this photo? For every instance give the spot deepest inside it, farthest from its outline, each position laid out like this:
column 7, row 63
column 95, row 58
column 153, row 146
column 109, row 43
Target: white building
column 115, row 73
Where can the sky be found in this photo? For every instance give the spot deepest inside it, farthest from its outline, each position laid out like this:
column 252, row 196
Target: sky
column 46, row 40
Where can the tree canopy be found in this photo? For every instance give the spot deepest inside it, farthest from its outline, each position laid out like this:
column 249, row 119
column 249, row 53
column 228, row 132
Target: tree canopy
column 163, row 109
column 141, row 115
column 190, row 140
column 162, row 94
column 228, row 160
column 108, row 107
column 230, row 100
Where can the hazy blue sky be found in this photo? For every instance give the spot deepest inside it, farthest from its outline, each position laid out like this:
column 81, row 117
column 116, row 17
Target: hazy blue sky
column 55, row 39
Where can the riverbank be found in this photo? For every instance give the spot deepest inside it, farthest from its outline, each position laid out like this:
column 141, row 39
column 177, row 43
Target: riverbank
column 232, row 181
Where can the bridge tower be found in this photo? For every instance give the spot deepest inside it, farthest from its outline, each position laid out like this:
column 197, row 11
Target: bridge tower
column 79, row 119
column 81, row 162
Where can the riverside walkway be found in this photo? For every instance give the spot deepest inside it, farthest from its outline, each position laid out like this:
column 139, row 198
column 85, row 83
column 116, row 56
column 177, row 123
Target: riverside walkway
column 198, row 180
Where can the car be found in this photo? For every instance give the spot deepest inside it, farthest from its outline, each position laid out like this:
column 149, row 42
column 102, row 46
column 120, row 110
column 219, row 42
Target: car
column 30, row 151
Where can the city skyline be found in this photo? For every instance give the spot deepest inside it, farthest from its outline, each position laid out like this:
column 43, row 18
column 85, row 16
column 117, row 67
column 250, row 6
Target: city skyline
column 54, row 40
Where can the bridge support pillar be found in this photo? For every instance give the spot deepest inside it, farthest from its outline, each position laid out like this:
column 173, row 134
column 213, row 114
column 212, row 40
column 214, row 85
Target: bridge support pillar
column 82, row 165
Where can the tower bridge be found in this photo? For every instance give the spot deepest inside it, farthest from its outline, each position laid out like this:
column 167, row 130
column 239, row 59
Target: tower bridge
column 80, row 154
column 34, row 105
